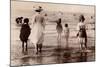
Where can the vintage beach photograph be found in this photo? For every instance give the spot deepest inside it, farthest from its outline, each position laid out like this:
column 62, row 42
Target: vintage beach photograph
column 51, row 33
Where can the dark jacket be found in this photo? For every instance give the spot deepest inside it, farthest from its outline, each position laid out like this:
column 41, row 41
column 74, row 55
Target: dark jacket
column 25, row 32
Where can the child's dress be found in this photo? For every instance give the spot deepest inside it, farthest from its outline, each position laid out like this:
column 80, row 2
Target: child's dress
column 24, row 32
column 66, row 32
column 59, row 27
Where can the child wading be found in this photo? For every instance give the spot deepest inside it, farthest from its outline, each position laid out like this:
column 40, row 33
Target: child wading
column 59, row 29
column 66, row 32
column 24, row 33
column 82, row 36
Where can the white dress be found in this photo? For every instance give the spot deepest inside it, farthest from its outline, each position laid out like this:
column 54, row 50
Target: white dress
column 66, row 32
column 37, row 29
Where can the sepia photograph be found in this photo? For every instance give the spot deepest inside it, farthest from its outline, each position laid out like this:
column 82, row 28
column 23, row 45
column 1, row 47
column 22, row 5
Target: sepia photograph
column 51, row 33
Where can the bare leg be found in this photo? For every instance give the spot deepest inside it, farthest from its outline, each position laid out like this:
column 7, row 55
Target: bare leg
column 58, row 39
column 23, row 46
column 26, row 45
column 85, row 44
column 81, row 46
column 40, row 47
column 37, row 48
column 67, row 42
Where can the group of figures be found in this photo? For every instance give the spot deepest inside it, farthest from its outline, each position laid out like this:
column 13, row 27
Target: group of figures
column 36, row 32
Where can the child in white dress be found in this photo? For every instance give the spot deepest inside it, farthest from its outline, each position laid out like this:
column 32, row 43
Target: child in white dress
column 66, row 33
column 59, row 29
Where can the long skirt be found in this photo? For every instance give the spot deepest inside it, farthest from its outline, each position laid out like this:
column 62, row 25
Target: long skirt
column 37, row 34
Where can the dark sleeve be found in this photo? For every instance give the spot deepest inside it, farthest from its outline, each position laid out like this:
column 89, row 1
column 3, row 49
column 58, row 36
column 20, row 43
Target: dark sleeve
column 22, row 32
column 21, row 28
column 77, row 34
column 28, row 30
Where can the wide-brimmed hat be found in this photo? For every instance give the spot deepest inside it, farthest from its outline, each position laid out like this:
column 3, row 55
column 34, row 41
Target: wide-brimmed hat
column 81, row 18
column 39, row 9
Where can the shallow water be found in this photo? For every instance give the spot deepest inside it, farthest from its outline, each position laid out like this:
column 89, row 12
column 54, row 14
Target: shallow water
column 52, row 56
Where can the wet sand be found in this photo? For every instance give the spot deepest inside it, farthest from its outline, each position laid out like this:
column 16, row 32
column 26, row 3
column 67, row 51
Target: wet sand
column 50, row 55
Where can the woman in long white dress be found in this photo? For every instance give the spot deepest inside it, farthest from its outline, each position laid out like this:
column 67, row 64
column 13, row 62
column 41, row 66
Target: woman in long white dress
column 37, row 32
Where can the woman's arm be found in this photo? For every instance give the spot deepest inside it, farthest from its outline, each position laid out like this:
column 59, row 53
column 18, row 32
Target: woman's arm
column 77, row 30
column 43, row 23
column 68, row 32
column 33, row 19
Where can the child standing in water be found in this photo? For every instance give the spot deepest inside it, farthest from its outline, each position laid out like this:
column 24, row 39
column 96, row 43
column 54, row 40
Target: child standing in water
column 24, row 33
column 59, row 29
column 82, row 35
column 66, row 32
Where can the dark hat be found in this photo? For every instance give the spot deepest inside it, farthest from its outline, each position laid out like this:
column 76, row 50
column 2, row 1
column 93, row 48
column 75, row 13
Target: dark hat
column 66, row 25
column 39, row 9
column 26, row 20
column 21, row 17
column 81, row 18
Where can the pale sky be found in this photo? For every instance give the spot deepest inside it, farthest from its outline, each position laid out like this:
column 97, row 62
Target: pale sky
column 28, row 6
column 88, row 2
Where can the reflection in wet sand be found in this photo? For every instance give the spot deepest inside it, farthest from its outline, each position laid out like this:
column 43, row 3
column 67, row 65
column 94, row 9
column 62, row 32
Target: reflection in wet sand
column 83, row 57
column 50, row 55
column 78, row 56
column 39, row 59
column 55, row 56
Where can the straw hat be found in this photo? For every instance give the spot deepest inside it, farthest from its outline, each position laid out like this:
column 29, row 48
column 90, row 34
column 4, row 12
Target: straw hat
column 39, row 9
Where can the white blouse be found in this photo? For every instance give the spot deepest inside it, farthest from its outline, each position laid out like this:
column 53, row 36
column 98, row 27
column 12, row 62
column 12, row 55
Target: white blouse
column 79, row 25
